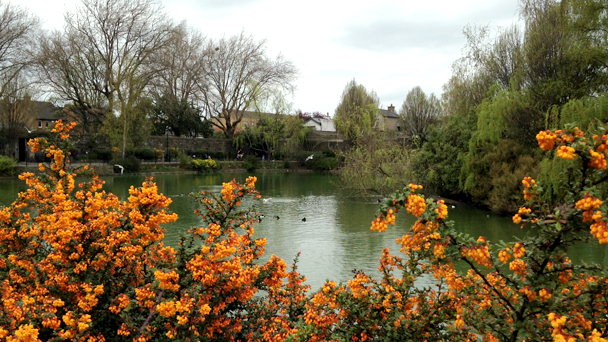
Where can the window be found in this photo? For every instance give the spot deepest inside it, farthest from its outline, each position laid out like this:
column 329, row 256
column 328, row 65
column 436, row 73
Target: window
column 47, row 124
column 39, row 123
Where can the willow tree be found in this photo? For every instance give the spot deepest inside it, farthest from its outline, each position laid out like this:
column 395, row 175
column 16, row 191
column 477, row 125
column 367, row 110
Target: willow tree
column 375, row 164
column 356, row 113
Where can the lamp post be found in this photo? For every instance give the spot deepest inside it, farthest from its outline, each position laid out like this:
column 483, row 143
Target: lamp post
column 167, row 159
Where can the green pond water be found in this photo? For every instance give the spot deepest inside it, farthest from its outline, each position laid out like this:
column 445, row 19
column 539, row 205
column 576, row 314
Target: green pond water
column 335, row 238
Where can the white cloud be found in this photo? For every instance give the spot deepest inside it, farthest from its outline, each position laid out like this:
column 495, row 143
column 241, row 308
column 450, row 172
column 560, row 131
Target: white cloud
column 389, row 46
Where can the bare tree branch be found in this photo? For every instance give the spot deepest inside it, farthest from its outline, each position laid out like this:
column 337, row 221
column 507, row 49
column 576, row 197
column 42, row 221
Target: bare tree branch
column 237, row 72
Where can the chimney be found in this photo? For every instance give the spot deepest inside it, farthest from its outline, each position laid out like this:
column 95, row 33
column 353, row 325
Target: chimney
column 391, row 108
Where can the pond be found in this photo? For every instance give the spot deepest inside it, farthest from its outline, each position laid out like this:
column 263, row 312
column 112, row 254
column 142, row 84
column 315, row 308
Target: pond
column 335, row 238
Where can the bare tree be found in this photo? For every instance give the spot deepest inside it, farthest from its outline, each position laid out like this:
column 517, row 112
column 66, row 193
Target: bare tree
column 237, row 72
column 103, row 56
column 65, row 68
column 16, row 110
column 18, row 29
column 175, row 87
column 179, row 65
column 499, row 57
column 417, row 113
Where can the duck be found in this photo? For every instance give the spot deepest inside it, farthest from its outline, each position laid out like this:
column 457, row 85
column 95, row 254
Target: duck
column 304, row 219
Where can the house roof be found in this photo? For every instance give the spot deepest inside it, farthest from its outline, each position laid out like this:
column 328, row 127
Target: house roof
column 318, row 122
column 388, row 113
column 46, row 111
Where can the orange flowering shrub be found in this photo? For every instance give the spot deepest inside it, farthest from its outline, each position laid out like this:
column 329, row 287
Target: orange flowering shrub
column 78, row 264
column 68, row 251
column 525, row 290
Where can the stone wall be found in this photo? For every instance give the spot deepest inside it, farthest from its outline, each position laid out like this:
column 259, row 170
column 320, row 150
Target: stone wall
column 319, row 141
column 191, row 144
column 83, row 143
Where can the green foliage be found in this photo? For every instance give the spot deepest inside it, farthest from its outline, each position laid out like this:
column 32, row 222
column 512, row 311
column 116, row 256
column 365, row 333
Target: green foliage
column 323, row 163
column 104, row 155
column 204, row 165
column 376, row 165
column 132, row 128
column 251, row 163
column 132, row 164
column 301, row 156
column 180, row 117
column 438, row 163
column 142, row 153
column 555, row 175
column 564, row 50
column 328, row 153
column 7, row 166
column 506, row 114
column 496, row 159
column 492, row 177
column 219, row 135
column 185, row 161
column 356, row 113
column 505, row 195
column 276, row 135
column 516, row 84
column 587, row 113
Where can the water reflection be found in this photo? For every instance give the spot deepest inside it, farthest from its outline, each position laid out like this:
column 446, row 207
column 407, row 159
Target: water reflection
column 335, row 237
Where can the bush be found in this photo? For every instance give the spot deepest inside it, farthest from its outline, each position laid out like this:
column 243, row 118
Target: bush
column 7, row 166
column 329, row 153
column 324, row 163
column 219, row 135
column 185, row 161
column 131, row 164
column 104, row 155
column 251, row 163
column 319, row 161
column 204, row 165
column 145, row 153
column 88, row 267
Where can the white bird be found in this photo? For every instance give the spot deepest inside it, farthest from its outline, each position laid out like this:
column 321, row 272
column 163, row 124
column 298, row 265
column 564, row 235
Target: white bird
column 266, row 200
column 309, row 157
column 120, row 167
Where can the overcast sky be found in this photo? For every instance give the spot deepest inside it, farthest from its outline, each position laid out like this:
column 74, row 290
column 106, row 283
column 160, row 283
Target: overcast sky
column 389, row 46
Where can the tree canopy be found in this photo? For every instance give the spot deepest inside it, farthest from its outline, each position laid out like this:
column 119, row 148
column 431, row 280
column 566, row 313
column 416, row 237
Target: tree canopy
column 356, row 113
